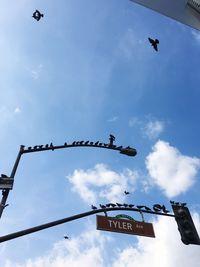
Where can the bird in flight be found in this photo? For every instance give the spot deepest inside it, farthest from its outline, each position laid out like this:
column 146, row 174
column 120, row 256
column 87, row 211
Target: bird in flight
column 154, row 43
column 37, row 15
column 126, row 192
column 66, row 237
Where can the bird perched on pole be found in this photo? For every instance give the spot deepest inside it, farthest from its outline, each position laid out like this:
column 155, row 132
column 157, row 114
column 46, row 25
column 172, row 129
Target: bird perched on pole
column 111, row 139
column 37, row 15
column 154, row 43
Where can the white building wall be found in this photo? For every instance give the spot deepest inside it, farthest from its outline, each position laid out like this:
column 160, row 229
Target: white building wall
column 175, row 9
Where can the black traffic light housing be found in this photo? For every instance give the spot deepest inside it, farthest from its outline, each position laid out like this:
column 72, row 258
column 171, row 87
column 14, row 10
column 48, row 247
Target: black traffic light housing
column 186, row 225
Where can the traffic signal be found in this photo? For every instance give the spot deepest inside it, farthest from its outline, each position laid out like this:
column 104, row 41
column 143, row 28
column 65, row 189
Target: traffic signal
column 186, row 225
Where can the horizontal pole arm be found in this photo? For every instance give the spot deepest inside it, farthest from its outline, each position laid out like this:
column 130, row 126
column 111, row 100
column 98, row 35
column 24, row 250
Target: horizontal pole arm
column 72, row 218
column 129, row 151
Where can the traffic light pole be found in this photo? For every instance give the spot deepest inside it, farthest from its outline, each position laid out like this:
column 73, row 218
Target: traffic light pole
column 72, row 218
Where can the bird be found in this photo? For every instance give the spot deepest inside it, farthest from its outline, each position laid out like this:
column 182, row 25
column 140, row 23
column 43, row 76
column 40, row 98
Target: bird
column 126, row 192
column 183, row 204
column 147, row 208
column 80, row 142
column 125, row 205
column 51, row 146
column 111, row 139
column 93, row 207
column 178, row 203
column 87, row 142
column 102, row 206
column 96, row 143
column 37, row 15
column 4, row 175
column 119, row 205
column 154, row 43
column 110, row 205
column 4, row 205
column 131, row 205
column 66, row 237
column 140, row 207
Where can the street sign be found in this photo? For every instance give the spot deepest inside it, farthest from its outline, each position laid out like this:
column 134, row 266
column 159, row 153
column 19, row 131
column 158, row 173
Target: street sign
column 124, row 226
column 6, row 183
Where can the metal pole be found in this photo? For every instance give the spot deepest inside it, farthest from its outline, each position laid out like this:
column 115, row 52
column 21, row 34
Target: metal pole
column 5, row 192
column 68, row 219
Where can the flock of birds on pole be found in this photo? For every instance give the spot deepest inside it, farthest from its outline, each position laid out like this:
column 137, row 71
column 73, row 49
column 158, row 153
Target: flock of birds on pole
column 37, row 15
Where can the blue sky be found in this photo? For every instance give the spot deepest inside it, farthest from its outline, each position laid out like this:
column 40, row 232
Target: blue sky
column 82, row 72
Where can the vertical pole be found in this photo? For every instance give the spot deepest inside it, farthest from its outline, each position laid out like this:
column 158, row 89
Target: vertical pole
column 5, row 192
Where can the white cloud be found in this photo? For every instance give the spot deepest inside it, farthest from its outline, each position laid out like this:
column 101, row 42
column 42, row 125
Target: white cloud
column 113, row 119
column 35, row 73
column 129, row 41
column 134, row 121
column 95, row 248
column 150, row 127
column 85, row 250
column 196, row 35
column 153, row 129
column 173, row 172
column 103, row 182
column 17, row 110
column 7, row 114
column 166, row 250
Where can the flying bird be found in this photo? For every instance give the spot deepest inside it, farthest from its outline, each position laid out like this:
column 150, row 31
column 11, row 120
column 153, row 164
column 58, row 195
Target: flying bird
column 126, row 192
column 37, row 15
column 66, row 237
column 154, row 43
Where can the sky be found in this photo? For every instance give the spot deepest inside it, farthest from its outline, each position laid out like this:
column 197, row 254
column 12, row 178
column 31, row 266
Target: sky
column 84, row 71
